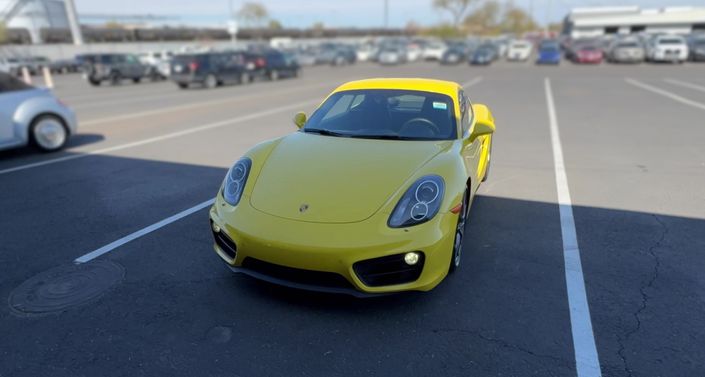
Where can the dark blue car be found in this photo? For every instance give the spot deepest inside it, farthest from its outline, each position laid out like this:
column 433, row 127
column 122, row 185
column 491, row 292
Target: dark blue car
column 549, row 55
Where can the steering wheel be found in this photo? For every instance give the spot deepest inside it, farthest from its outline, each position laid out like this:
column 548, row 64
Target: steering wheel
column 421, row 122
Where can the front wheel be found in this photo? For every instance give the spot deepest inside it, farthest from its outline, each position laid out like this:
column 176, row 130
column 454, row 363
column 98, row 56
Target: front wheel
column 48, row 133
column 459, row 232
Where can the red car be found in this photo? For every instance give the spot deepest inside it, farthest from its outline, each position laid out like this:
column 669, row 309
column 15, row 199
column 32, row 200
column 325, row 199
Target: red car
column 588, row 55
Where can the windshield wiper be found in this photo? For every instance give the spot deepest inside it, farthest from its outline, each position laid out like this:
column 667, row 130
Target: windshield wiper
column 390, row 137
column 325, row 132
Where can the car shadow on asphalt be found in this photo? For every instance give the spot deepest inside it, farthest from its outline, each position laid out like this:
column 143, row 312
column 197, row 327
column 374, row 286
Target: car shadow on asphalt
column 75, row 141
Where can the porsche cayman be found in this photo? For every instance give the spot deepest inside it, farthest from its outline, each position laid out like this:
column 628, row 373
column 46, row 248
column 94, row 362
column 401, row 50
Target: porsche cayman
column 370, row 196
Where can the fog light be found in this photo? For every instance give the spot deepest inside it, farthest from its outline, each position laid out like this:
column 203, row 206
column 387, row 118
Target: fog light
column 411, row 258
column 216, row 228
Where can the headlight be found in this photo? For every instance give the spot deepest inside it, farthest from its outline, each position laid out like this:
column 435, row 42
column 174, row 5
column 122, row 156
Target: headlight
column 235, row 180
column 419, row 204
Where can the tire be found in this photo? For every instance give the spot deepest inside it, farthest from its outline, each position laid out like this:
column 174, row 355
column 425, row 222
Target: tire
column 94, row 82
column 48, row 133
column 210, row 82
column 457, row 250
column 115, row 78
column 274, row 75
column 137, row 80
column 183, row 85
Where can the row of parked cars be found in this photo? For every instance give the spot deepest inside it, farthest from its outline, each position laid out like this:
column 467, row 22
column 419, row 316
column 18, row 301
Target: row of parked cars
column 199, row 68
column 35, row 65
column 638, row 48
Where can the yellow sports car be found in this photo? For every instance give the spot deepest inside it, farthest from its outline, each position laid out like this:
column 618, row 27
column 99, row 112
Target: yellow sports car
column 370, row 196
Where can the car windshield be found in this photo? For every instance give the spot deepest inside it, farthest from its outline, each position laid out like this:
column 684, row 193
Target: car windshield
column 674, row 41
column 385, row 114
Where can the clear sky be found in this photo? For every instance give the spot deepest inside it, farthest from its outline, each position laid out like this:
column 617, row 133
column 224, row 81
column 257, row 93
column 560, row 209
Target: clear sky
column 360, row 13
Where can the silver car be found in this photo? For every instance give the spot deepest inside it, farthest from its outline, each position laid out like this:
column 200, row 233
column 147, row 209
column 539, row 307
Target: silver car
column 626, row 51
column 30, row 115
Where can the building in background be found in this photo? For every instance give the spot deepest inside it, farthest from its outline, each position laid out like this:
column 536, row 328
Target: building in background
column 599, row 21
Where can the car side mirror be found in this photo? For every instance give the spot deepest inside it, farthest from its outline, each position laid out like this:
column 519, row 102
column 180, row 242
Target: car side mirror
column 300, row 119
column 484, row 121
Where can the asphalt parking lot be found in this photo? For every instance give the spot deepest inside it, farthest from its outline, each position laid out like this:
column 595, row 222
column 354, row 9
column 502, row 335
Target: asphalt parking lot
column 628, row 141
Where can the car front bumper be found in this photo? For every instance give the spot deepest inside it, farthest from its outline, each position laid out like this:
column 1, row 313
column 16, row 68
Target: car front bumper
column 294, row 248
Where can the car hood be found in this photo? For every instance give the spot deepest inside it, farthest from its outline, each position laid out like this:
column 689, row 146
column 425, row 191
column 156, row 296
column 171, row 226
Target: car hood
column 325, row 179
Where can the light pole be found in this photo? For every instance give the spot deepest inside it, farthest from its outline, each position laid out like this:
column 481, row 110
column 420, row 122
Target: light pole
column 232, row 23
column 386, row 14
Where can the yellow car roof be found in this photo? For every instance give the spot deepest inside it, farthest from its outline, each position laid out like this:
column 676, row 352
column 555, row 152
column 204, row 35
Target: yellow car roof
column 448, row 88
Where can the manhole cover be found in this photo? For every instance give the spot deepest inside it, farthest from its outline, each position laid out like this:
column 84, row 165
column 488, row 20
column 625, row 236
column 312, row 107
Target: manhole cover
column 65, row 286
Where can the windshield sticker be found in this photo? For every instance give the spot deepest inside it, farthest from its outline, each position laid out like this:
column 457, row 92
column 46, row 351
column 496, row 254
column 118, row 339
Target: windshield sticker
column 440, row 106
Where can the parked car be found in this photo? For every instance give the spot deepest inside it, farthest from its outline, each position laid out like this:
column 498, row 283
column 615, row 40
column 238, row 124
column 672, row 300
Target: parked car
column 549, row 53
column 278, row 64
column 434, row 51
column 392, row 56
column 697, row 47
column 413, row 52
column 210, row 69
column 519, row 51
column 484, row 55
column 64, row 66
column 114, row 68
column 365, row 52
column 10, row 65
column 159, row 63
column 32, row 116
column 455, row 54
column 626, row 51
column 588, row 54
column 407, row 156
column 667, row 48
column 336, row 54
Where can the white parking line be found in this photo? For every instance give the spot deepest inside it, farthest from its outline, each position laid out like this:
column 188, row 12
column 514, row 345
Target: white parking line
column 142, row 232
column 172, row 135
column 195, row 105
column 666, row 93
column 472, row 82
column 587, row 362
column 685, row 85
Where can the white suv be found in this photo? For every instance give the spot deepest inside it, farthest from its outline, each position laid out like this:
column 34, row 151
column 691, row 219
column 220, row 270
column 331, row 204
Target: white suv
column 519, row 51
column 668, row 48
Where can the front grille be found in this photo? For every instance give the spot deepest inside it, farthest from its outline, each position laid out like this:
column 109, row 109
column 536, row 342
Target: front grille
column 388, row 270
column 296, row 275
column 225, row 243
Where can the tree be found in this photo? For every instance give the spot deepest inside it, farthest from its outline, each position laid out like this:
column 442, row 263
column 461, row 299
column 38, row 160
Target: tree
column 456, row 8
column 253, row 14
column 485, row 20
column 275, row 25
column 517, row 21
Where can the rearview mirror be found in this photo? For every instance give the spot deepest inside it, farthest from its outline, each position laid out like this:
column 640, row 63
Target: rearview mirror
column 300, row 119
column 484, row 121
